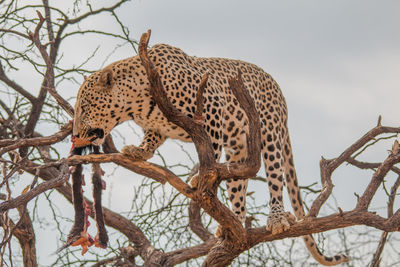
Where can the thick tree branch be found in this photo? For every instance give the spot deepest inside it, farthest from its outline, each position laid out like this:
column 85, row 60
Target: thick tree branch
column 195, row 223
column 178, row 256
column 147, row 169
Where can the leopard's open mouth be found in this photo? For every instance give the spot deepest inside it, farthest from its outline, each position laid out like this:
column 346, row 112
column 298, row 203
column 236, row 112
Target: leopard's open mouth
column 96, row 136
column 96, row 133
column 93, row 137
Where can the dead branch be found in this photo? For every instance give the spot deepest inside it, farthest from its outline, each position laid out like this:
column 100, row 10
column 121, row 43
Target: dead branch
column 24, row 232
column 322, row 224
column 251, row 164
column 377, row 178
column 34, row 36
column 195, row 223
column 334, row 163
column 12, row 144
column 369, row 165
column 377, row 256
column 20, row 34
column 26, row 197
column 18, row 88
column 195, row 130
column 181, row 255
column 94, row 12
column 49, row 85
column 327, row 167
column 147, row 169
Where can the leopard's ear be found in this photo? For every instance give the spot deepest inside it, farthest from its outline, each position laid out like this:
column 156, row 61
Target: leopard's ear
column 106, row 79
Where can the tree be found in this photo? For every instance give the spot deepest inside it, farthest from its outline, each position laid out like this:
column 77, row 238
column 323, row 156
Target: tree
column 170, row 222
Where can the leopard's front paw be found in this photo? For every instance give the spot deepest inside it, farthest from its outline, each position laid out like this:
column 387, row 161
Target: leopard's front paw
column 136, row 152
column 279, row 222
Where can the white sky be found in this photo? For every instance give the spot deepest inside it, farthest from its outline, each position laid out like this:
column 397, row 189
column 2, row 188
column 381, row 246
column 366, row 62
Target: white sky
column 337, row 62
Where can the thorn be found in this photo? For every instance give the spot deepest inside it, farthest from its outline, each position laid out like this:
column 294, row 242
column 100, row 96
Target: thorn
column 396, row 147
column 26, row 189
column 250, row 193
column 340, row 211
column 379, row 121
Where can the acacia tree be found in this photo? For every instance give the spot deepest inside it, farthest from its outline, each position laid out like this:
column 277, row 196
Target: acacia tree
column 169, row 222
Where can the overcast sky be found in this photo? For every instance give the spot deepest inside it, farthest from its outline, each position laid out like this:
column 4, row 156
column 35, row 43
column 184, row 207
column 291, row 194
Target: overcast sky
column 337, row 62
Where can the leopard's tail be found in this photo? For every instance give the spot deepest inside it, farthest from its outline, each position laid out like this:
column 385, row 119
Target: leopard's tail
column 297, row 205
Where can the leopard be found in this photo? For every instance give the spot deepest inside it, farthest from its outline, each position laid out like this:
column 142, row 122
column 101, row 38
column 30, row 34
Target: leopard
column 121, row 92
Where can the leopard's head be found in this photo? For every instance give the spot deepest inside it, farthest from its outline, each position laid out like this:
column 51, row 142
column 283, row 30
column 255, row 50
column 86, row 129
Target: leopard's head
column 97, row 107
